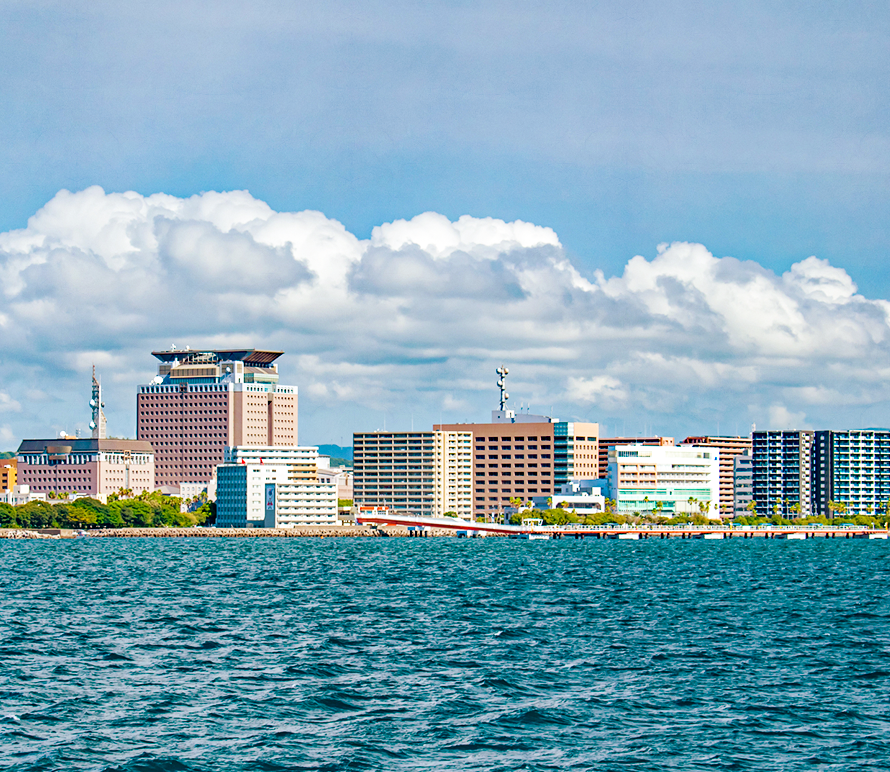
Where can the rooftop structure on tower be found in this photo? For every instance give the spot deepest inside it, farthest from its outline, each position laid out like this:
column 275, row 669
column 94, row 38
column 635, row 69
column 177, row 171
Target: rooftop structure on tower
column 217, row 366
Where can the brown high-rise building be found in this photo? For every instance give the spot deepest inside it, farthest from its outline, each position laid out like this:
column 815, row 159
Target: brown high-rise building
column 523, row 456
column 729, row 448
column 202, row 401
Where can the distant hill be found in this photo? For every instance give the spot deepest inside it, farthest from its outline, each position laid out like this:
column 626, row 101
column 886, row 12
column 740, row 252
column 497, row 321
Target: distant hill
column 336, row 451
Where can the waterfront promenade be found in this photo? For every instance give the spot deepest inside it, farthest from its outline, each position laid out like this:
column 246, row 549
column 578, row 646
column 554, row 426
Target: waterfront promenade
column 629, row 532
column 406, row 526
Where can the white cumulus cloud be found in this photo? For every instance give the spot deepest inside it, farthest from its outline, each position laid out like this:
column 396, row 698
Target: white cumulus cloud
column 414, row 319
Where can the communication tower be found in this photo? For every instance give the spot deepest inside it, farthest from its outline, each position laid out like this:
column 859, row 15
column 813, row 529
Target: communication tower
column 502, row 373
column 96, row 403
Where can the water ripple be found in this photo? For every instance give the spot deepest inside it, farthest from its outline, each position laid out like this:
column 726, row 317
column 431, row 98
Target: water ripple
column 192, row 655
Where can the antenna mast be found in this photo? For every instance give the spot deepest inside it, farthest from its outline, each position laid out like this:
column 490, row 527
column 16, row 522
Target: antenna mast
column 502, row 373
column 96, row 403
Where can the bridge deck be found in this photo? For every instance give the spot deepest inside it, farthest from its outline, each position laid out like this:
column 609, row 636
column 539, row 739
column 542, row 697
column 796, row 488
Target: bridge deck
column 574, row 530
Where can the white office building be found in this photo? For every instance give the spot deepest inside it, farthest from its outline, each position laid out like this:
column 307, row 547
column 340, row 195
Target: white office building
column 672, row 480
column 273, row 487
column 583, row 497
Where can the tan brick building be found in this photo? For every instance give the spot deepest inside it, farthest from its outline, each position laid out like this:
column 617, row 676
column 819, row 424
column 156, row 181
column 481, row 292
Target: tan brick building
column 93, row 467
column 526, row 456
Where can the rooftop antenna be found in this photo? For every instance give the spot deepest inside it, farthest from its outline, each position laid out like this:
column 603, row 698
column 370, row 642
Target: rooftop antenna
column 96, row 403
column 502, row 373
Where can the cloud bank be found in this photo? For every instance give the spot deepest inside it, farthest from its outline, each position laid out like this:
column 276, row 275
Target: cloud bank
column 413, row 320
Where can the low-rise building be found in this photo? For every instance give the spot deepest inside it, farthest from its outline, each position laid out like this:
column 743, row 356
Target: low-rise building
column 583, row 497
column 89, row 467
column 20, row 494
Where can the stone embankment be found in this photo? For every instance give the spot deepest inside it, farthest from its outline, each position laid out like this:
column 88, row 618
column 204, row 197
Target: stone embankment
column 20, row 533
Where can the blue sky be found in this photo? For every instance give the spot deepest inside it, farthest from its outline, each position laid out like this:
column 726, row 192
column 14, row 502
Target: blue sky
column 759, row 130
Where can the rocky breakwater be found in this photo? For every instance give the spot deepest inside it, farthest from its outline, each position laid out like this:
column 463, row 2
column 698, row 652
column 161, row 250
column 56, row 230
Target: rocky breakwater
column 21, row 533
column 254, row 533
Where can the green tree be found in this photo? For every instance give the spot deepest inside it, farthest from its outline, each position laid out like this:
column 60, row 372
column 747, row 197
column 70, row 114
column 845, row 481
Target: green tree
column 36, row 514
column 7, row 516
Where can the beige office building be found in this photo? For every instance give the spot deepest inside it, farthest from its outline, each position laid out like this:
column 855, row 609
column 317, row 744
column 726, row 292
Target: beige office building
column 204, row 401
column 89, row 467
column 729, row 448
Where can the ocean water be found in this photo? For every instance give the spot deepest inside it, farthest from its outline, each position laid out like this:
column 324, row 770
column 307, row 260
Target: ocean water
column 148, row 655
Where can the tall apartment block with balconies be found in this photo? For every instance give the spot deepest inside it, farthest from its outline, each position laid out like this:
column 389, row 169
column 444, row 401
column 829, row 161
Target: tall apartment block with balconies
column 200, row 402
column 851, row 472
column 782, row 472
column 426, row 473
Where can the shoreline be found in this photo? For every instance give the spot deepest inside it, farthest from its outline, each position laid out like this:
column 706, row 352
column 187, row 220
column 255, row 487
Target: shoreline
column 344, row 531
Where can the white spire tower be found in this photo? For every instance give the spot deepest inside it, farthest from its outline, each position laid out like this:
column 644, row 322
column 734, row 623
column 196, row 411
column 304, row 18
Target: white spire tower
column 98, row 422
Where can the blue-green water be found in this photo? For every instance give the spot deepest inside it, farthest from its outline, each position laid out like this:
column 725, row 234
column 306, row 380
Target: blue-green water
column 444, row 654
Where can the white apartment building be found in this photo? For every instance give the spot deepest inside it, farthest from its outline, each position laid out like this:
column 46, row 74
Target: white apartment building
column 642, row 477
column 273, row 487
column 743, row 484
column 427, row 473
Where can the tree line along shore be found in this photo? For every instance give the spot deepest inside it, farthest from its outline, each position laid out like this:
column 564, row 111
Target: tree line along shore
column 147, row 510
column 154, row 510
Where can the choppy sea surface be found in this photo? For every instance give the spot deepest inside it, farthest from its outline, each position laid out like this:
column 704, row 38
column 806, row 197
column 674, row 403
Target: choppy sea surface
column 148, row 655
